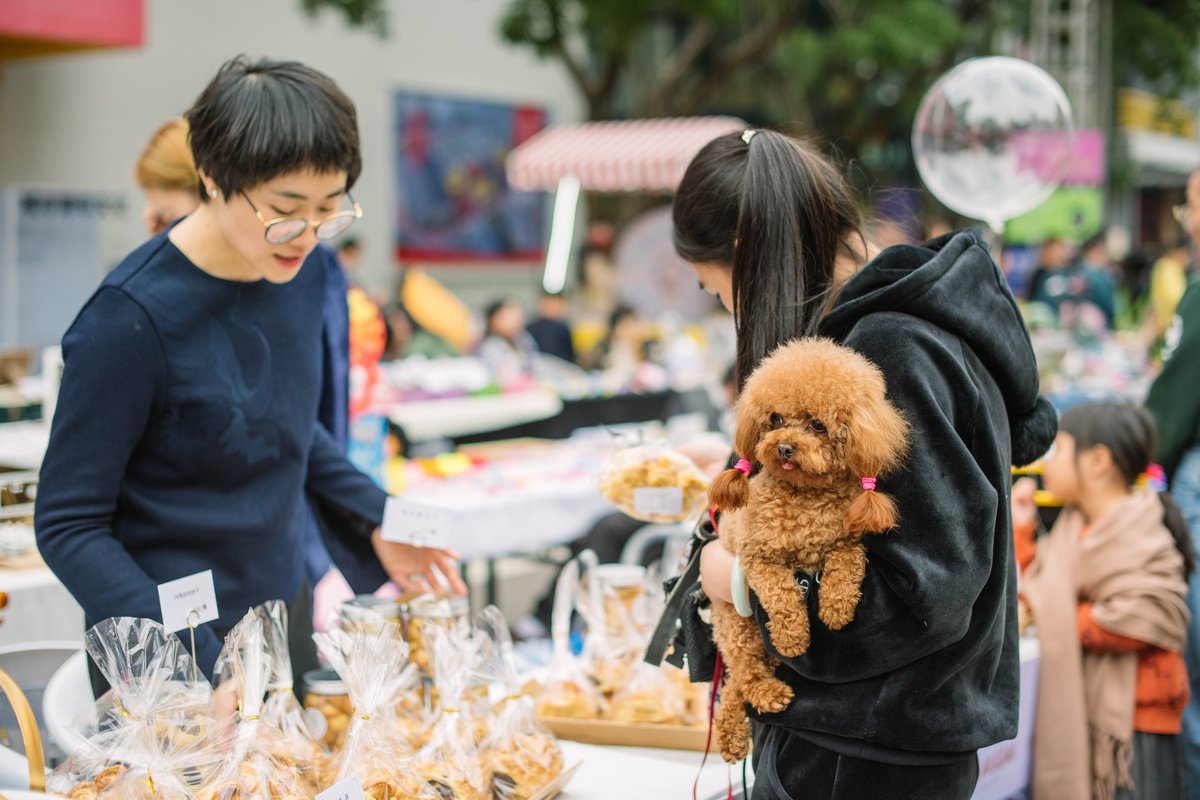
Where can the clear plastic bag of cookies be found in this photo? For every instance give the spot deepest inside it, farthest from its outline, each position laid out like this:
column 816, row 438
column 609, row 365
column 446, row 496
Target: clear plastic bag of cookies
column 651, row 482
column 522, row 754
column 450, row 763
column 262, row 762
column 567, row 690
column 152, row 734
column 613, row 642
column 374, row 667
column 649, row 695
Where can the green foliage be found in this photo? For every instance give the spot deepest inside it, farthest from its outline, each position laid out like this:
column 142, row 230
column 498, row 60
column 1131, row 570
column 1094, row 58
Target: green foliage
column 1157, row 43
column 369, row 14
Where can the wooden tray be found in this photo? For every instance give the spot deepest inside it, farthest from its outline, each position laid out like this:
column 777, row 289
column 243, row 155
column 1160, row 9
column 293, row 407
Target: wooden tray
column 604, row 731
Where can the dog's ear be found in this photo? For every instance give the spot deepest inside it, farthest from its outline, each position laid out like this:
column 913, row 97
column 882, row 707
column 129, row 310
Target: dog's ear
column 876, row 437
column 871, row 512
column 748, row 431
column 730, row 490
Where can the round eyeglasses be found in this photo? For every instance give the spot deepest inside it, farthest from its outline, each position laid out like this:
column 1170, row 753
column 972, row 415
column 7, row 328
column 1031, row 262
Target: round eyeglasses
column 286, row 229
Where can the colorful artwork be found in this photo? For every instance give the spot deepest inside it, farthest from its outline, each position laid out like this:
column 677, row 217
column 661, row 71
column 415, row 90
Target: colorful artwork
column 454, row 203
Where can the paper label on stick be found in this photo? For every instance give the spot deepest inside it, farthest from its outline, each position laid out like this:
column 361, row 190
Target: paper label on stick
column 348, row 788
column 189, row 601
column 417, row 524
column 666, row 500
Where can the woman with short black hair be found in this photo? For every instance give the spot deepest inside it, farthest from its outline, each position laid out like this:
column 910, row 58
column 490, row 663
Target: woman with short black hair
column 186, row 432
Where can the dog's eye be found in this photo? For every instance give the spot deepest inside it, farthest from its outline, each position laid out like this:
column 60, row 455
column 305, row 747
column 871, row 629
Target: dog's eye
column 776, row 421
column 817, row 426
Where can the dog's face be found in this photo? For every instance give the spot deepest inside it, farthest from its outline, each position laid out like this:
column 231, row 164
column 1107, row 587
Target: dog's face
column 815, row 412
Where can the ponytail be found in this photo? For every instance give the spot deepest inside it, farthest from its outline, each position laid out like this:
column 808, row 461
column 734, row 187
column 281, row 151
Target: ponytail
column 1175, row 522
column 731, row 489
column 791, row 215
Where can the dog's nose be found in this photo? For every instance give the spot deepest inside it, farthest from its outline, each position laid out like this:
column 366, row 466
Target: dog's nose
column 786, row 451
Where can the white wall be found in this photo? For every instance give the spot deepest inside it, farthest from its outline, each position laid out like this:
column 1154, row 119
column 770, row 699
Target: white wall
column 81, row 120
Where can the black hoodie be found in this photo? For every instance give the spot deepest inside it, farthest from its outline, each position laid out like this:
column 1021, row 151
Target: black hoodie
column 929, row 667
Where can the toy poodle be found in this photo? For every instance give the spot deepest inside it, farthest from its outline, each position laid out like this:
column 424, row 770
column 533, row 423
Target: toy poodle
column 815, row 421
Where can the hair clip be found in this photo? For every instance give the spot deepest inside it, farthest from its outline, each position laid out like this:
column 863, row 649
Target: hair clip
column 748, row 134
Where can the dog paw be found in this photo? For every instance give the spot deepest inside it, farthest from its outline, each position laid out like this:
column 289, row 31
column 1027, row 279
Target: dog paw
column 790, row 634
column 734, row 744
column 837, row 614
column 790, row 642
column 768, row 696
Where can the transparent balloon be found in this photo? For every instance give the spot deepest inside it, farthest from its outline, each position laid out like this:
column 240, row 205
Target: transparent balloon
column 993, row 138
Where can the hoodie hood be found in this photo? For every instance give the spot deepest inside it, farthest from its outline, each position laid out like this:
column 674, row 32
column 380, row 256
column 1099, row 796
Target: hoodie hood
column 953, row 283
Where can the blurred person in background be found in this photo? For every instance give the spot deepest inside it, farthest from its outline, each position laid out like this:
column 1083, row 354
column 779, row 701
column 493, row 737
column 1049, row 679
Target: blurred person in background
column 550, row 330
column 1168, row 281
column 1053, row 258
column 407, row 338
column 507, row 348
column 1175, row 403
column 167, row 174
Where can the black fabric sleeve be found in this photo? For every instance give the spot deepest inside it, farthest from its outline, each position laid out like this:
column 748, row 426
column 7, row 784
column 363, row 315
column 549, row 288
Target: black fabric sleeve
column 113, row 376
column 349, row 502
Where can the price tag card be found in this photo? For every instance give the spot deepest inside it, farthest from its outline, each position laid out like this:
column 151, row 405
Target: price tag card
column 415, row 523
column 348, row 788
column 188, row 601
column 667, row 500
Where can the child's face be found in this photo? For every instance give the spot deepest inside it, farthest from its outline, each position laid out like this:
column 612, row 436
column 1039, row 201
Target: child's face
column 1060, row 477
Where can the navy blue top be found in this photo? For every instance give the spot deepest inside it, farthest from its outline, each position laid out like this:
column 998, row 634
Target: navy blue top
column 185, row 438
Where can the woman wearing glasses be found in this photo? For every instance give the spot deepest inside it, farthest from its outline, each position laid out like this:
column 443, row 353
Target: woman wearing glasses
column 186, row 431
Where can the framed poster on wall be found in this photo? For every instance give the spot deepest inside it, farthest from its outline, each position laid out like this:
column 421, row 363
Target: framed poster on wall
column 454, row 204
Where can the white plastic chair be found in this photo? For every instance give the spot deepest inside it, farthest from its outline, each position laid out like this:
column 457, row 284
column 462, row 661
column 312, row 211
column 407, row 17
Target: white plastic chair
column 68, row 694
column 29, row 665
column 673, row 536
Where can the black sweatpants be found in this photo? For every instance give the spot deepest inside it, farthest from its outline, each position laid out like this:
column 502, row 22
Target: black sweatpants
column 788, row 767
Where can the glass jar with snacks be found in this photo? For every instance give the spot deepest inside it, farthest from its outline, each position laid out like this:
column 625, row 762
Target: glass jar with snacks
column 326, row 697
column 428, row 611
column 363, row 613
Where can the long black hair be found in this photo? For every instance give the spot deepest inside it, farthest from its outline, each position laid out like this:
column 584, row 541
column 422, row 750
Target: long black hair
column 1129, row 433
column 778, row 213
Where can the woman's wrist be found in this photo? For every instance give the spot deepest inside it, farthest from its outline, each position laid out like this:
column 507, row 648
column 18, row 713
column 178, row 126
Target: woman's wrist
column 716, row 566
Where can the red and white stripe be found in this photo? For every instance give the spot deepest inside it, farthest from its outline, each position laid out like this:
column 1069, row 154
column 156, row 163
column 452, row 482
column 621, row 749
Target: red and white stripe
column 644, row 155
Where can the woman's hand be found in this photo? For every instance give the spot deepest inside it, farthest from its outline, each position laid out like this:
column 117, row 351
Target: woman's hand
column 1024, row 507
column 416, row 569
column 716, row 565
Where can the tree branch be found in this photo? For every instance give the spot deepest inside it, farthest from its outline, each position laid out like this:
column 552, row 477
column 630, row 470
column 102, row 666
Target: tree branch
column 677, row 65
column 755, row 45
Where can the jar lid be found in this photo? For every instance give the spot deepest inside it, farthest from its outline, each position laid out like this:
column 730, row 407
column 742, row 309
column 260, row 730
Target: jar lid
column 324, row 682
column 429, row 607
column 388, row 607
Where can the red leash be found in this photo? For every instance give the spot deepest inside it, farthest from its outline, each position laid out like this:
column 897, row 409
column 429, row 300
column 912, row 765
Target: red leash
column 717, row 679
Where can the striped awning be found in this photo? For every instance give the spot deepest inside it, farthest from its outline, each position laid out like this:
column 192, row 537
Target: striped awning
column 644, row 155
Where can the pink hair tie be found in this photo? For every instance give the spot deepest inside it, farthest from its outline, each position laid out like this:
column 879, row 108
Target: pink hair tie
column 742, row 466
column 868, row 484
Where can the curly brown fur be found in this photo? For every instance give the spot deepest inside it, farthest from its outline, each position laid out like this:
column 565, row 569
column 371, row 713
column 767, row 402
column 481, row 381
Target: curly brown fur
column 816, row 417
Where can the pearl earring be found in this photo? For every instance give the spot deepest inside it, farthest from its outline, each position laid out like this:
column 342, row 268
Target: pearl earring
column 212, row 193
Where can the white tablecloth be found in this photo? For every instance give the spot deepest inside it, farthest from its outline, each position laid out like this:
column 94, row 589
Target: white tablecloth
column 23, row 444
column 527, row 498
column 40, row 609
column 464, row 416
column 644, row 773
